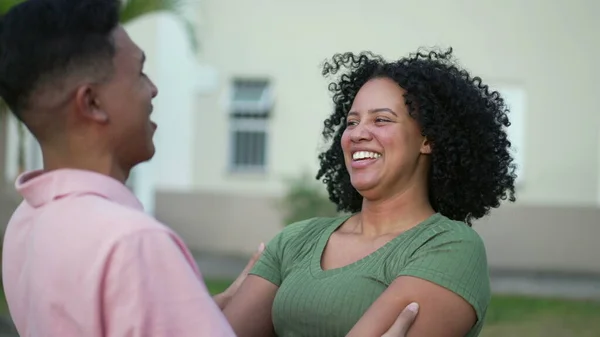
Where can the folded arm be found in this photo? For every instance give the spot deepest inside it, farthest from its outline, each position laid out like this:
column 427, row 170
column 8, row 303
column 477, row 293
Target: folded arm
column 249, row 311
column 442, row 313
column 448, row 276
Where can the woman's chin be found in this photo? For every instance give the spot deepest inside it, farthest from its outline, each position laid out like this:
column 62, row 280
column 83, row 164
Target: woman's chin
column 364, row 185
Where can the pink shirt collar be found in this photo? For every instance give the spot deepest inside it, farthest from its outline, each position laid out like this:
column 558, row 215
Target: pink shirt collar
column 40, row 187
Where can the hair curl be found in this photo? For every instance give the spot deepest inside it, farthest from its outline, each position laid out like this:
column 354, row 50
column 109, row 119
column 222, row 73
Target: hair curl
column 471, row 164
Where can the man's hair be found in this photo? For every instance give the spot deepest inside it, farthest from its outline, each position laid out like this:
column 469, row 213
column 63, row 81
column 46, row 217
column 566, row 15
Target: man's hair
column 42, row 41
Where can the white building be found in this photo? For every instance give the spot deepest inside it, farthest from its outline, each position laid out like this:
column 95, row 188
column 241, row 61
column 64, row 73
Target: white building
column 217, row 172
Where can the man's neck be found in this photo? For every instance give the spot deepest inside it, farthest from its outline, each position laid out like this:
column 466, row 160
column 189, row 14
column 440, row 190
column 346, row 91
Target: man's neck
column 103, row 164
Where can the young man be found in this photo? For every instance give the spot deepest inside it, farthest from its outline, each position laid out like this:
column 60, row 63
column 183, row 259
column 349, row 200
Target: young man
column 80, row 257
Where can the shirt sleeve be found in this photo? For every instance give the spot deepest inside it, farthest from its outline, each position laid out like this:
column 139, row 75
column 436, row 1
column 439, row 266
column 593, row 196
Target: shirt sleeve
column 457, row 261
column 151, row 290
column 269, row 265
column 272, row 263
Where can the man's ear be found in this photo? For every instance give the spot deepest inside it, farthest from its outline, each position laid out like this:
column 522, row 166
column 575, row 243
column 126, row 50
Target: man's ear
column 88, row 104
column 425, row 146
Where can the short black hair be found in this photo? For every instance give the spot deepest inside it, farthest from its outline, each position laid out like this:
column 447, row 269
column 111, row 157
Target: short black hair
column 472, row 167
column 42, row 40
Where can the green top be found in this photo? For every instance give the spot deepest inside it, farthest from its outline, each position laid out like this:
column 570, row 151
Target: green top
column 317, row 303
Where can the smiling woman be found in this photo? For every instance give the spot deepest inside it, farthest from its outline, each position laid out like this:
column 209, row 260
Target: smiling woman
column 418, row 151
column 452, row 109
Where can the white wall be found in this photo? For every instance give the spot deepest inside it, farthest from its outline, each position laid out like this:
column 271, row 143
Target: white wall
column 598, row 154
column 548, row 49
column 515, row 97
column 142, row 178
column 174, row 68
column 11, row 150
column 177, row 68
column 33, row 153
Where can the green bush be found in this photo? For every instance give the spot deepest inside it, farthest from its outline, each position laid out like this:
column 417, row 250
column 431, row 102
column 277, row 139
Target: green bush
column 305, row 198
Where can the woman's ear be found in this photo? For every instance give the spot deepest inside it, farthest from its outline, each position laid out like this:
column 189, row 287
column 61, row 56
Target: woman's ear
column 426, row 146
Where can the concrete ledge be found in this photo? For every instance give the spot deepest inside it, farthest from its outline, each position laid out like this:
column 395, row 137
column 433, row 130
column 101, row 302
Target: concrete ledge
column 521, row 237
column 547, row 285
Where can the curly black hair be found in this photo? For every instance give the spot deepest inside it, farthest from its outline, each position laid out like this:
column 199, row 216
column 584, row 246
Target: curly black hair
column 472, row 167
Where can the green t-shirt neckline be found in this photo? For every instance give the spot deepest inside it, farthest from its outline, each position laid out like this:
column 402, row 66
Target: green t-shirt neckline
column 316, row 267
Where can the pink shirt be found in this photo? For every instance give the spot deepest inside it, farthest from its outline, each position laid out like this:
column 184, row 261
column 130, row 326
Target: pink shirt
column 81, row 258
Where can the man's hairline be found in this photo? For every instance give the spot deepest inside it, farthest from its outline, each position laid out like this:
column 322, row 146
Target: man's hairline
column 49, row 79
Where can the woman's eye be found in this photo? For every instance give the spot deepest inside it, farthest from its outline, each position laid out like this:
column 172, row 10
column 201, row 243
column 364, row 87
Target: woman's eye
column 379, row 120
column 351, row 123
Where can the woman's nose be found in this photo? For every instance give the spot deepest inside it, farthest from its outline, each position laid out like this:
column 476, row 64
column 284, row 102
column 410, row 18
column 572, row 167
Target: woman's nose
column 360, row 133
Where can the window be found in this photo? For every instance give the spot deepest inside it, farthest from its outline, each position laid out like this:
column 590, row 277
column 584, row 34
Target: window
column 250, row 108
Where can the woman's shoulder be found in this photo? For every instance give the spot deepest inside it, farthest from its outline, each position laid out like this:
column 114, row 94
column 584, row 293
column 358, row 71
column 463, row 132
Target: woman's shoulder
column 444, row 243
column 451, row 254
column 297, row 240
column 310, row 228
column 440, row 229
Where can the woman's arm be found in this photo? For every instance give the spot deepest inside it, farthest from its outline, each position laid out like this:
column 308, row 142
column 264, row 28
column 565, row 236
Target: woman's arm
column 223, row 298
column 442, row 313
column 447, row 275
column 249, row 313
column 249, row 310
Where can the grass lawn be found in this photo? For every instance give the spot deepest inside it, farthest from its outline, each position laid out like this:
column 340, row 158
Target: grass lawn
column 3, row 306
column 508, row 316
column 513, row 316
column 517, row 316
column 217, row 286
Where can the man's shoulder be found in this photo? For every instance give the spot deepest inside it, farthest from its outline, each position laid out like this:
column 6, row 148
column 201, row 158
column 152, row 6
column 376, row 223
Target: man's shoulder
column 90, row 214
column 121, row 221
column 104, row 223
column 105, row 210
